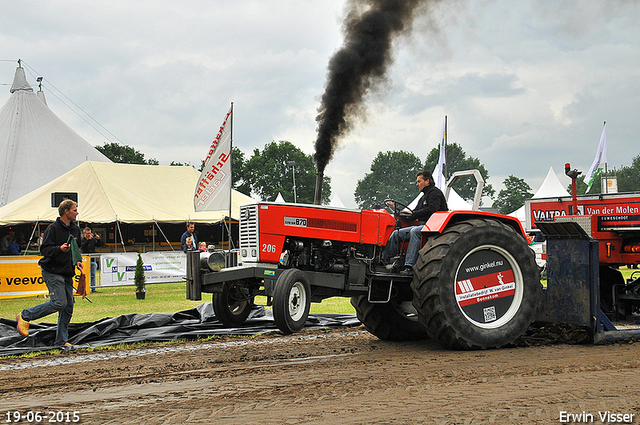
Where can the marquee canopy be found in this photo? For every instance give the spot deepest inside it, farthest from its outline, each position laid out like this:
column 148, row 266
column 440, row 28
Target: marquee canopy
column 109, row 192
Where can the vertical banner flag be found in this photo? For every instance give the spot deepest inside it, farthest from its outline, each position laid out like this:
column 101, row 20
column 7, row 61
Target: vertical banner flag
column 213, row 191
column 439, row 171
column 600, row 160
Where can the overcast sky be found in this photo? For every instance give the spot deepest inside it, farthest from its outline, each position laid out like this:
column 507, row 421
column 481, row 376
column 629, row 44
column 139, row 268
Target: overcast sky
column 526, row 85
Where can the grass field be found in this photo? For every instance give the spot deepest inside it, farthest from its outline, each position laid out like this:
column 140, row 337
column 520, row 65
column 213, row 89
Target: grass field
column 160, row 298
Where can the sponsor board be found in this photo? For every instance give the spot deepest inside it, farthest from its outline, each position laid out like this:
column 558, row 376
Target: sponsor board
column 159, row 267
column 21, row 276
column 614, row 211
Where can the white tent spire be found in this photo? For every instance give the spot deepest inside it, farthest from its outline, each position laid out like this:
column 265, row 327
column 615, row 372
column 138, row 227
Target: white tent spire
column 20, row 81
column 550, row 187
column 40, row 93
column 35, row 145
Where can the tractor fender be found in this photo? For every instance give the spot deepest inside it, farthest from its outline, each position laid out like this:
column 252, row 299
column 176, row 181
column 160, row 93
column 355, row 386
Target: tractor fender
column 441, row 220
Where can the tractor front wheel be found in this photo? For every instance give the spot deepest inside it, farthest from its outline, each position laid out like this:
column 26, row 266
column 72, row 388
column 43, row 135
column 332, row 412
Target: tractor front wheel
column 291, row 301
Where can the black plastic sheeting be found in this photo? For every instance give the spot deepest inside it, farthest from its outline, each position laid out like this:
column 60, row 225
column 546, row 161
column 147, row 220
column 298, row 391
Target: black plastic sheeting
column 153, row 327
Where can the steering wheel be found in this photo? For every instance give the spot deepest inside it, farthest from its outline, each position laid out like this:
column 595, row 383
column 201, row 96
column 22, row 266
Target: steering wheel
column 398, row 212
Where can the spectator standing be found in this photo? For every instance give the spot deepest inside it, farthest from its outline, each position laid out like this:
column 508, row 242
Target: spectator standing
column 14, row 248
column 190, row 233
column 91, row 241
column 4, row 244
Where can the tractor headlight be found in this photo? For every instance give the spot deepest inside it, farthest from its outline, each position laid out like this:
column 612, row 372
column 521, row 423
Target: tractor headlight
column 214, row 261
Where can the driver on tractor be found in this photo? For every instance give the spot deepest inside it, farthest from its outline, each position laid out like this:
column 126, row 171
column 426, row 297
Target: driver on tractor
column 432, row 200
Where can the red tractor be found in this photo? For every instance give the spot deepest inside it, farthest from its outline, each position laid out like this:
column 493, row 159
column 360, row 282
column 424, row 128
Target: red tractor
column 475, row 285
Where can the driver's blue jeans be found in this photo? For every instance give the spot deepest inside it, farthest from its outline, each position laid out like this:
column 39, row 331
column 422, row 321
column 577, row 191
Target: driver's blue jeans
column 412, row 234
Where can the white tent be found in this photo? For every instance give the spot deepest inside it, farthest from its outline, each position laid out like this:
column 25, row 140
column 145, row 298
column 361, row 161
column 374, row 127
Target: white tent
column 35, row 145
column 127, row 193
column 455, row 202
column 336, row 201
column 550, row 188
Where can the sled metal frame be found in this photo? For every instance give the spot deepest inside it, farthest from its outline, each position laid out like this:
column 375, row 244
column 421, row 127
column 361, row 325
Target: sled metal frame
column 573, row 282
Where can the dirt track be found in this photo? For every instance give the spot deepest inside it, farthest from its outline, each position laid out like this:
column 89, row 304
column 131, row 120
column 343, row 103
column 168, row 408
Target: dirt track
column 343, row 376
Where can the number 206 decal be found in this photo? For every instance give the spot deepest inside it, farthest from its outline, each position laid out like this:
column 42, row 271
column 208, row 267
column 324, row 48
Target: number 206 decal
column 266, row 247
column 295, row 221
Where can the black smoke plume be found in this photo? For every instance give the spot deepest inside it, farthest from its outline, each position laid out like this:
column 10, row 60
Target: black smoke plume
column 360, row 65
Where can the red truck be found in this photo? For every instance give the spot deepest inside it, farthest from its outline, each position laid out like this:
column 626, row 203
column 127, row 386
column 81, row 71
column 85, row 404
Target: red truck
column 611, row 219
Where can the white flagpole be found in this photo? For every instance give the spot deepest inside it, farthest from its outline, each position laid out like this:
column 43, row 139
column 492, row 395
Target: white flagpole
column 440, row 170
column 231, row 185
column 444, row 166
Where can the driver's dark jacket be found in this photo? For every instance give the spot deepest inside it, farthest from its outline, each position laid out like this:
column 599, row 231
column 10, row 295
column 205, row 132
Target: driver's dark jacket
column 432, row 200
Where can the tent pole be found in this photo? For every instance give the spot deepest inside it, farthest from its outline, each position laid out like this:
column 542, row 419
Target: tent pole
column 31, row 237
column 165, row 236
column 124, row 249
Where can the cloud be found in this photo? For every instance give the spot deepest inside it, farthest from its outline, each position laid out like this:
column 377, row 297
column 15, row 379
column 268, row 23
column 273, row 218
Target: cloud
column 525, row 85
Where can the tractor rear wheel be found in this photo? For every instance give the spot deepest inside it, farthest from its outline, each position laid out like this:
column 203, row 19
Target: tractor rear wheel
column 232, row 307
column 476, row 285
column 391, row 321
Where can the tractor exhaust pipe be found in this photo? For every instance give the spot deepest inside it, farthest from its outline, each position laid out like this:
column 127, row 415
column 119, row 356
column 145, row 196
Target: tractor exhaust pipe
column 318, row 195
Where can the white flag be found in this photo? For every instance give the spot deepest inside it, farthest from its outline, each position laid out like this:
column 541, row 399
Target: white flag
column 438, row 174
column 599, row 161
column 213, row 191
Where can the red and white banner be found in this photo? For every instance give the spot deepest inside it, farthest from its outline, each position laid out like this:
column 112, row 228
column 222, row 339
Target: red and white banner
column 213, row 191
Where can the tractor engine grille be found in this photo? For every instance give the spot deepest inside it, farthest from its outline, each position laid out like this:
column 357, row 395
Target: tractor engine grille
column 249, row 242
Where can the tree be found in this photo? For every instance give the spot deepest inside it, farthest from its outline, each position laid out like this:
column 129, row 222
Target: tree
column 239, row 182
column 629, row 177
column 392, row 176
column 512, row 197
column 457, row 160
column 124, row 154
column 138, row 277
column 269, row 174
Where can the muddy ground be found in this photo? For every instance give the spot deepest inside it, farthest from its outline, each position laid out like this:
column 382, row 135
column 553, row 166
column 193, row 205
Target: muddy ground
column 344, row 376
